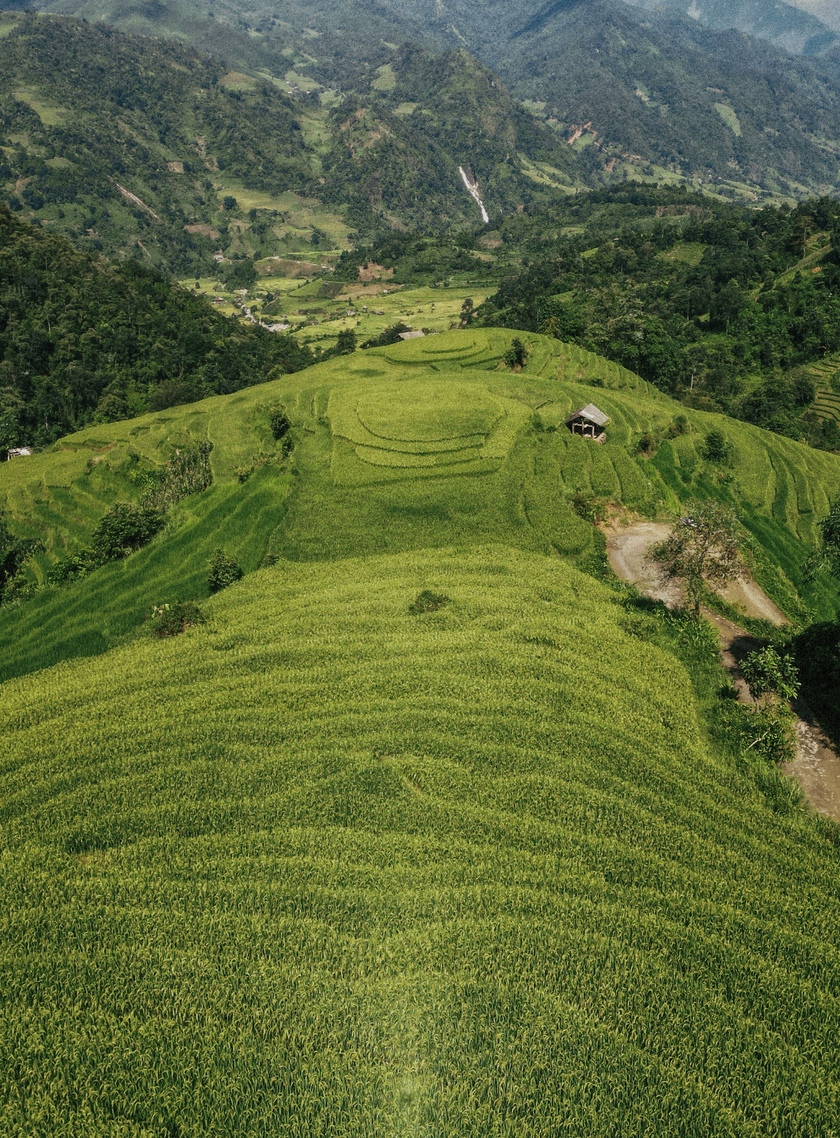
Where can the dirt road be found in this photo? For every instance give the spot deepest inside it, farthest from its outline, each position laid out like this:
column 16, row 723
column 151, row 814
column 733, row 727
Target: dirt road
column 817, row 765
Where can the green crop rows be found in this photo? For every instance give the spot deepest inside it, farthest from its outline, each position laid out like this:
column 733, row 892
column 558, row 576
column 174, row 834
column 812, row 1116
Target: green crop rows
column 324, row 867
column 426, row 444
column 825, row 376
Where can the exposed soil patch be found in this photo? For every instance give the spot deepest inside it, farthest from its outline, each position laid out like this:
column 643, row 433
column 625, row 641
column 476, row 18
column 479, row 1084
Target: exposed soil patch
column 817, row 765
column 628, row 550
column 374, row 272
column 203, row 229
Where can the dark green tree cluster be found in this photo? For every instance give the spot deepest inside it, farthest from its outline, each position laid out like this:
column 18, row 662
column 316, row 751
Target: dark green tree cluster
column 718, row 305
column 132, row 116
column 125, row 529
column 81, row 339
column 14, row 552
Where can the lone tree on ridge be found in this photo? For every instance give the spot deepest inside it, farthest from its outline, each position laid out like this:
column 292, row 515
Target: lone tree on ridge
column 702, row 548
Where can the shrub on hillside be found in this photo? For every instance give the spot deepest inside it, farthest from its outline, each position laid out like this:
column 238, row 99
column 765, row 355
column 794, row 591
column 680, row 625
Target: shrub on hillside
column 716, row 447
column 223, row 571
column 187, row 472
column 126, row 528
column 647, row 444
column 279, row 421
column 588, row 507
column 770, row 672
column 170, row 620
column 516, row 355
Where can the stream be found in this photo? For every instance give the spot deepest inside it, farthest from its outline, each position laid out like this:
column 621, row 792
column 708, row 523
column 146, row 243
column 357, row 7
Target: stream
column 472, row 188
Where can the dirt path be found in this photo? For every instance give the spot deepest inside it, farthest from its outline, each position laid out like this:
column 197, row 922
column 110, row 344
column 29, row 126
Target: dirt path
column 816, row 766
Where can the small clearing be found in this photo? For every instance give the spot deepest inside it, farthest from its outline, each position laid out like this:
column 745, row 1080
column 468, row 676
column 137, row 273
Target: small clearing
column 816, row 766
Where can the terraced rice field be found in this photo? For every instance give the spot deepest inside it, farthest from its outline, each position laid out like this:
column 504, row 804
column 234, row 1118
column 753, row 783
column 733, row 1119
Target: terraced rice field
column 325, row 867
column 422, row 445
column 826, row 378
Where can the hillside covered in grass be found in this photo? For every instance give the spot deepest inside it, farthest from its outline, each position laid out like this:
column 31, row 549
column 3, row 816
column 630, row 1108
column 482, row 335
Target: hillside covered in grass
column 325, row 865
column 424, row 828
column 427, row 444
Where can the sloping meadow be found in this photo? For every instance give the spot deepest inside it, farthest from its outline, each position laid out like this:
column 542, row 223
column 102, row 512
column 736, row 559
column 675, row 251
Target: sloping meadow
column 425, row 444
column 325, row 866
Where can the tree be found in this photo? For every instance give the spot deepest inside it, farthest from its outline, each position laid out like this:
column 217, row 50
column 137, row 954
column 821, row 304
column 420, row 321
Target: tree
column 829, row 553
column 702, row 548
column 716, row 447
column 827, row 557
column 517, row 354
column 13, row 552
column 223, row 570
column 467, row 313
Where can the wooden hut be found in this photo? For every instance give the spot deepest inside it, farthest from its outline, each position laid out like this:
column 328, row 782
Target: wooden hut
column 589, row 422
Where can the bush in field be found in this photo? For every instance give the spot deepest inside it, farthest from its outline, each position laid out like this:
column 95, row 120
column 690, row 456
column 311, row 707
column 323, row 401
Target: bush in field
column 187, row 472
column 588, row 507
column 646, row 445
column 279, row 421
column 516, row 355
column 427, row 601
column 716, row 447
column 769, row 672
column 14, row 552
column 827, row 557
column 223, row 571
column 769, row 731
column 170, row 620
column 124, row 529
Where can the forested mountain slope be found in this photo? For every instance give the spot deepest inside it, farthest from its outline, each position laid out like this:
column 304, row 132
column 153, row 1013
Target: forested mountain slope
column 130, row 144
column 81, row 338
column 631, row 87
column 716, row 106
column 791, row 27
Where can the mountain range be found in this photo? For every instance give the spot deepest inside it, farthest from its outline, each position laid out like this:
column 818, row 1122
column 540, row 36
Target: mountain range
column 653, row 88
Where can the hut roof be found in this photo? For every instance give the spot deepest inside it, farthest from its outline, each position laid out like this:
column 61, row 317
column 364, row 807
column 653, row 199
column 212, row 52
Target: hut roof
column 592, row 415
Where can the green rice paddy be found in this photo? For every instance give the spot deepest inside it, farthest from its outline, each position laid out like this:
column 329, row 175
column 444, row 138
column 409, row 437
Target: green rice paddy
column 324, row 867
column 321, row 866
column 825, row 376
column 425, row 444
